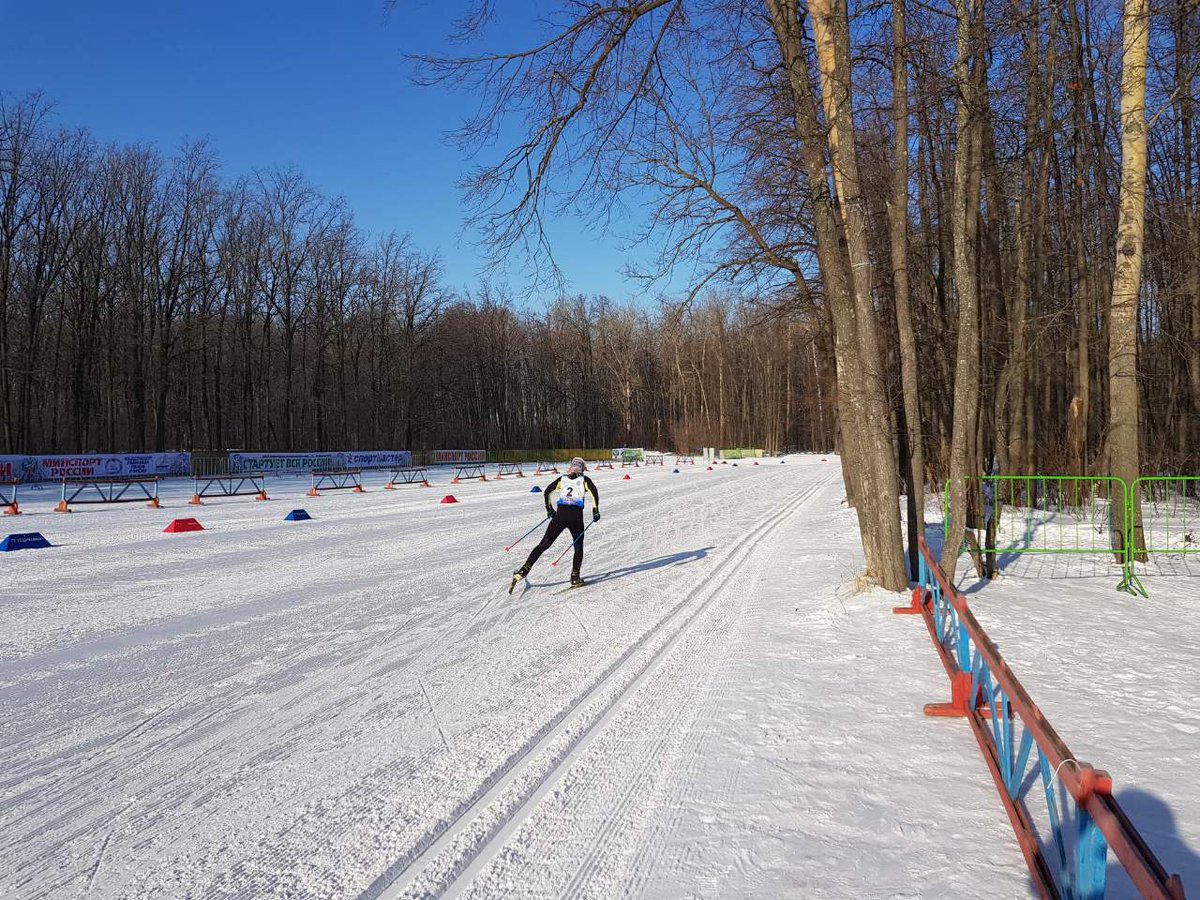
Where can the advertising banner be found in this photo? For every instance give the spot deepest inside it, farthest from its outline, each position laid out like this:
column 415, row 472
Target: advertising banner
column 459, row 456
column 282, row 463
column 378, row 459
column 106, row 465
column 629, row 454
column 303, row 463
column 741, row 453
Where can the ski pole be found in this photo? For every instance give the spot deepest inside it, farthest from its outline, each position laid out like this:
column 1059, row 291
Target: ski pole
column 540, row 523
column 573, row 543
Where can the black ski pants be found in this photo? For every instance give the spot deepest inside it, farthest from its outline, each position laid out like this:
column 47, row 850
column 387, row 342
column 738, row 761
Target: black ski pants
column 566, row 518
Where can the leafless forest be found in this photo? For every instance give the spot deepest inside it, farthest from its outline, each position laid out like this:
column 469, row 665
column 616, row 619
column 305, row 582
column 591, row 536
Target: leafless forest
column 147, row 304
column 897, row 218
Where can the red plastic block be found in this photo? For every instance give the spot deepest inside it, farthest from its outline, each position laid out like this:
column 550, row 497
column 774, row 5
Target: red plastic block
column 179, row 525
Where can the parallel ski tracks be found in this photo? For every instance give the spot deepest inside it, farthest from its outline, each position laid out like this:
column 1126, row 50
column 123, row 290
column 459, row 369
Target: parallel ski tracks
column 457, row 849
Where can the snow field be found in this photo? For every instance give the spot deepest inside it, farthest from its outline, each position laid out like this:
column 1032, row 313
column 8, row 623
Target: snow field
column 354, row 706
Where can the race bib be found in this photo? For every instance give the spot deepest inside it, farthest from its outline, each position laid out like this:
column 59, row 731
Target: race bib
column 570, row 492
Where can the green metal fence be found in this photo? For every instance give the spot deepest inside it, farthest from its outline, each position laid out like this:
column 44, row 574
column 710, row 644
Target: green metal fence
column 1170, row 542
column 1074, row 516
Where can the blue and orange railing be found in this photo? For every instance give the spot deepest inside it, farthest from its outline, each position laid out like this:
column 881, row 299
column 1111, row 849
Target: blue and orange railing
column 1010, row 730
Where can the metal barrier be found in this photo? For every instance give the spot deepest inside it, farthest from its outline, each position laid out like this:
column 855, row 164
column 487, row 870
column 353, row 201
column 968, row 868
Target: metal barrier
column 546, row 468
column 210, row 465
column 627, row 463
column 1045, row 514
column 508, row 469
column 1170, row 508
column 108, row 490
column 423, row 459
column 336, row 480
column 1073, row 515
column 654, row 459
column 1008, row 726
column 469, row 471
column 229, row 486
column 408, row 475
column 685, row 460
column 8, row 497
column 603, row 464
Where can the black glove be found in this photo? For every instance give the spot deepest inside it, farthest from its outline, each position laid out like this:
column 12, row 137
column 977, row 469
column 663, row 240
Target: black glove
column 549, row 514
column 595, row 515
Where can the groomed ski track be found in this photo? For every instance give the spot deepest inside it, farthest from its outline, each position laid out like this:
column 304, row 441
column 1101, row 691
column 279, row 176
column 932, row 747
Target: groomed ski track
column 471, row 840
column 355, row 707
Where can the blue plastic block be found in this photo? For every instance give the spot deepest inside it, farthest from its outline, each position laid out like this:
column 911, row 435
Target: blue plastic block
column 31, row 540
column 535, row 490
column 676, row 472
column 297, row 515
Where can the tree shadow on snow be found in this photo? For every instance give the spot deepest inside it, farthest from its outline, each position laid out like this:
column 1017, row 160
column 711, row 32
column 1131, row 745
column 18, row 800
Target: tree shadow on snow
column 935, row 538
column 1033, row 566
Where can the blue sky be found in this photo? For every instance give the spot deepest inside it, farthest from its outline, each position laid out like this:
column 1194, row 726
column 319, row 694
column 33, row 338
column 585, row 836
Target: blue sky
column 322, row 86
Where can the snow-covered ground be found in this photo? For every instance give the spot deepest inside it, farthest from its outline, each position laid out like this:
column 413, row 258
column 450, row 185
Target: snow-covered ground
column 354, row 706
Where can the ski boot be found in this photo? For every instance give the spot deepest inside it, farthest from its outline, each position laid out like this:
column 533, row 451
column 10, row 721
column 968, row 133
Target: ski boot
column 517, row 576
column 577, row 580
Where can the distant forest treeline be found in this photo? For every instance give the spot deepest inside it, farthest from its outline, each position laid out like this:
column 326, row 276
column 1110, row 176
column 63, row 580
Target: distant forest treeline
column 147, row 304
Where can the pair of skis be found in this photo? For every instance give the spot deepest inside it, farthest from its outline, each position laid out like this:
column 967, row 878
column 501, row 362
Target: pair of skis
column 517, row 579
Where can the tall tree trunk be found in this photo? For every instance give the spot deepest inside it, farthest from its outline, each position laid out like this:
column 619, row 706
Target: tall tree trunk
column 1193, row 360
column 831, row 258
column 1185, row 77
column 1079, row 413
column 966, row 372
column 881, row 531
column 898, row 210
column 1127, row 277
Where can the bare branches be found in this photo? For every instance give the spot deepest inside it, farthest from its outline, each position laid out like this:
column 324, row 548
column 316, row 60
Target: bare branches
column 578, row 91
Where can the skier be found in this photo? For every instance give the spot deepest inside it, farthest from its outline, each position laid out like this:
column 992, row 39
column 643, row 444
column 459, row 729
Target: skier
column 566, row 513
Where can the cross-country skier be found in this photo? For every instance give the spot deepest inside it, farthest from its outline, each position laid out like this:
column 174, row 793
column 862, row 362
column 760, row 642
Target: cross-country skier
column 566, row 514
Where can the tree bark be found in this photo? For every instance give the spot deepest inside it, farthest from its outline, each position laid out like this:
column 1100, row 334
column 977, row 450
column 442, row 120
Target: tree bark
column 1186, row 35
column 1127, row 277
column 898, row 219
column 966, row 372
column 881, row 532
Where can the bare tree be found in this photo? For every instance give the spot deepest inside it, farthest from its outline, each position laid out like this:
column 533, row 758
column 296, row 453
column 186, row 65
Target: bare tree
column 914, row 473
column 1127, row 279
column 966, row 212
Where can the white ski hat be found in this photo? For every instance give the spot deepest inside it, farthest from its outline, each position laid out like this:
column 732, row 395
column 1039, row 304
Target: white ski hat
column 578, row 461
